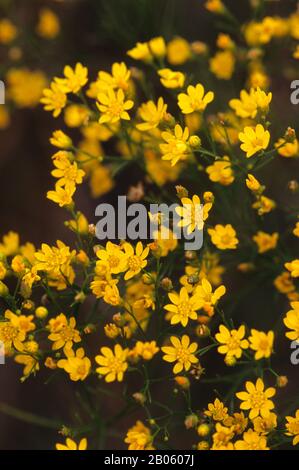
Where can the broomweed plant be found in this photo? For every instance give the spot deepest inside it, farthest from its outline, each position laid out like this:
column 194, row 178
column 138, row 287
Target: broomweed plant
column 148, row 327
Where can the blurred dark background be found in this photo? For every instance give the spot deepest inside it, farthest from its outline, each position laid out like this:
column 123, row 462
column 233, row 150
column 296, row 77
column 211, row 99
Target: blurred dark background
column 95, row 32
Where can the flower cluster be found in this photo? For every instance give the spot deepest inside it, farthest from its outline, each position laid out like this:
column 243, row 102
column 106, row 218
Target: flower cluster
column 143, row 321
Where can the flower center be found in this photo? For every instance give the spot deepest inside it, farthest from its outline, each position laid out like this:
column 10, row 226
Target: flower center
column 182, row 355
column 257, row 399
column 184, row 309
column 134, row 263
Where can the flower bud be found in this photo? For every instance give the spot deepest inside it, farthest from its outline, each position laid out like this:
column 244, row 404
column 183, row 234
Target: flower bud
column 230, row 361
column 166, row 284
column 195, row 141
column 139, row 397
column 281, row 381
column 111, row 330
column 41, row 312
column 203, row 331
column 191, row 421
column 181, row 191
column 183, row 382
column 203, row 430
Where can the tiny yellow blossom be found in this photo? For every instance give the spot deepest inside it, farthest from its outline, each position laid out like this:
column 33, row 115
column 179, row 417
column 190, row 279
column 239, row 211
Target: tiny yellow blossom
column 152, row 114
column 113, row 106
column 254, row 139
column 265, row 241
column 171, row 79
column 262, row 343
column 256, row 399
column 232, row 341
column 181, row 352
column 224, row 237
column 293, row 267
column 112, row 364
column 195, row 99
column 48, row 24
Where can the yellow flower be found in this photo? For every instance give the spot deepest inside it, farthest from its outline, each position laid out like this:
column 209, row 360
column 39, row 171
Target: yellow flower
column 74, row 79
column 265, row 425
column 8, row 31
column 111, row 295
column 193, row 213
column 232, row 341
column 166, row 240
column 252, row 183
column 222, row 438
column 284, row 283
column 289, row 149
column 112, row 365
column 139, row 437
column 215, row 6
column 195, row 99
column 224, row 237
column 113, row 106
column 177, row 145
column 222, row 65
column 25, row 87
column 10, row 243
column 251, row 103
column 119, row 78
column 262, row 343
column 68, row 173
column 114, row 256
column 178, row 51
column 209, row 298
column 292, row 427
column 157, row 47
column 62, row 196
column 141, row 52
column 254, row 139
column 256, row 399
column 136, row 261
column 75, row 115
column 252, row 441
column 30, row 363
column 171, row 79
column 63, row 332
column 146, row 350
column 238, row 421
column 183, row 307
column 71, row 445
column 293, row 267
column 264, row 205
column 14, row 329
column 217, row 411
column 291, row 321
column 77, row 365
column 60, row 140
column 54, row 99
column 224, row 41
column 152, row 114
column 265, row 241
column 48, row 24
column 101, row 181
column 221, row 172
column 53, row 259
column 181, row 352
